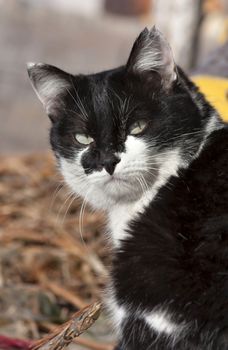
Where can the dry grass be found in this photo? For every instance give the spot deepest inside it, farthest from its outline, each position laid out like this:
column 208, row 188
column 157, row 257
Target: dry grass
column 46, row 270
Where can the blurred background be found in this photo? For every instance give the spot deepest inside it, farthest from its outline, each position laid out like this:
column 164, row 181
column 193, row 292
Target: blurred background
column 47, row 270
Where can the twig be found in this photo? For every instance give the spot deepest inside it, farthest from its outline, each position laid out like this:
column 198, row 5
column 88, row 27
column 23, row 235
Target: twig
column 64, row 334
column 90, row 344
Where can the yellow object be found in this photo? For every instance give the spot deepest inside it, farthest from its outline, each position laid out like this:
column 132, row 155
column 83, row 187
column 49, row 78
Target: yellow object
column 216, row 91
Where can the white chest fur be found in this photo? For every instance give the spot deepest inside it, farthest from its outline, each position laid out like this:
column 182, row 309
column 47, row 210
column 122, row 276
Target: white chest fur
column 121, row 214
column 119, row 217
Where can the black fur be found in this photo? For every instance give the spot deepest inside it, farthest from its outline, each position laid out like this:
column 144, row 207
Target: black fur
column 179, row 252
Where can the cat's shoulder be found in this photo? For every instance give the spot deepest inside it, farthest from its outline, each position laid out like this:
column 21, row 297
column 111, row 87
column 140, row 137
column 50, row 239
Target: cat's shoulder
column 203, row 187
column 212, row 163
column 204, row 184
column 216, row 145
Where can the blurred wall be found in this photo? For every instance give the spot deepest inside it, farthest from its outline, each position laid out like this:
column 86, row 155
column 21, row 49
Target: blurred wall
column 87, row 8
column 69, row 40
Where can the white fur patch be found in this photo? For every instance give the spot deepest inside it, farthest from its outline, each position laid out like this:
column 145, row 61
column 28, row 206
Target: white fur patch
column 119, row 216
column 161, row 322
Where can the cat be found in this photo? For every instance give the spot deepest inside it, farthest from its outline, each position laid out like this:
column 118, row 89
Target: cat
column 143, row 144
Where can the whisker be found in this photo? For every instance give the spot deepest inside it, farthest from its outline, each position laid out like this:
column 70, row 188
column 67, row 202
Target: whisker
column 81, row 217
column 55, row 194
column 69, row 196
column 140, row 184
column 143, row 183
column 68, row 208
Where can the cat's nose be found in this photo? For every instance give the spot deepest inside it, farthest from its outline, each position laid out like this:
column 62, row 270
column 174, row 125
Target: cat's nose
column 110, row 163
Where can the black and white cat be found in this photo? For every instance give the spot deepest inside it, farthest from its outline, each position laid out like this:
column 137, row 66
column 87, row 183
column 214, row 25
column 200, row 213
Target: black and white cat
column 142, row 143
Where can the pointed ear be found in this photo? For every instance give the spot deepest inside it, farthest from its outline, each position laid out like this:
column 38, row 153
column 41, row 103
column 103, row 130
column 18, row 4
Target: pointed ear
column 50, row 84
column 151, row 53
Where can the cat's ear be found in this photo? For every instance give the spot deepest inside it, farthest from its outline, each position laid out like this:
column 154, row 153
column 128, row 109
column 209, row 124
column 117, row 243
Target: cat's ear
column 151, row 53
column 50, row 84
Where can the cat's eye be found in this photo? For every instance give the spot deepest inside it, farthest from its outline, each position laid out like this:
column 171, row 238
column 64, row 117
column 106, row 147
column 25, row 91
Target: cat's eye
column 83, row 139
column 138, row 127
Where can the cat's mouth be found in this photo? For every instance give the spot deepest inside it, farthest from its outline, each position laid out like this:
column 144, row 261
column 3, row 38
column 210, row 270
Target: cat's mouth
column 116, row 178
column 120, row 183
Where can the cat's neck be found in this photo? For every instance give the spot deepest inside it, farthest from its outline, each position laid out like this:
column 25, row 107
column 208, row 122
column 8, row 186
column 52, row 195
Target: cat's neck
column 120, row 214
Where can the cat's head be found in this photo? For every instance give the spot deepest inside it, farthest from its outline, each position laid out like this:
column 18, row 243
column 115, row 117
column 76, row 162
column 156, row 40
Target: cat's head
column 117, row 133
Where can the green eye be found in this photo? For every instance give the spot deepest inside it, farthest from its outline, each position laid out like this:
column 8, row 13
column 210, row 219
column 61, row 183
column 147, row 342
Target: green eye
column 83, row 139
column 138, row 127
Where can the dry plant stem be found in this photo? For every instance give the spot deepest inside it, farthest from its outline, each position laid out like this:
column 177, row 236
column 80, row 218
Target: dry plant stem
column 87, row 343
column 64, row 334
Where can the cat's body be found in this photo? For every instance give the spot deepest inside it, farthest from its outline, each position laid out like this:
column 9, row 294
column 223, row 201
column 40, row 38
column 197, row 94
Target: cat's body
column 171, row 276
column 141, row 143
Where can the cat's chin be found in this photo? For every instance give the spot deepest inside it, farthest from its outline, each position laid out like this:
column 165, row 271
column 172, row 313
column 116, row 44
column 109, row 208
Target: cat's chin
column 106, row 194
column 120, row 190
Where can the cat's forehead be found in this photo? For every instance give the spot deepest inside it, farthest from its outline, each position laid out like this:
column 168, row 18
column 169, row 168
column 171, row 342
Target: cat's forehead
column 105, row 85
column 103, row 95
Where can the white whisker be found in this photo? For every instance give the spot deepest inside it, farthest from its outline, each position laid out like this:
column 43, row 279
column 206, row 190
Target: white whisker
column 68, row 207
column 55, row 194
column 69, row 196
column 81, row 216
